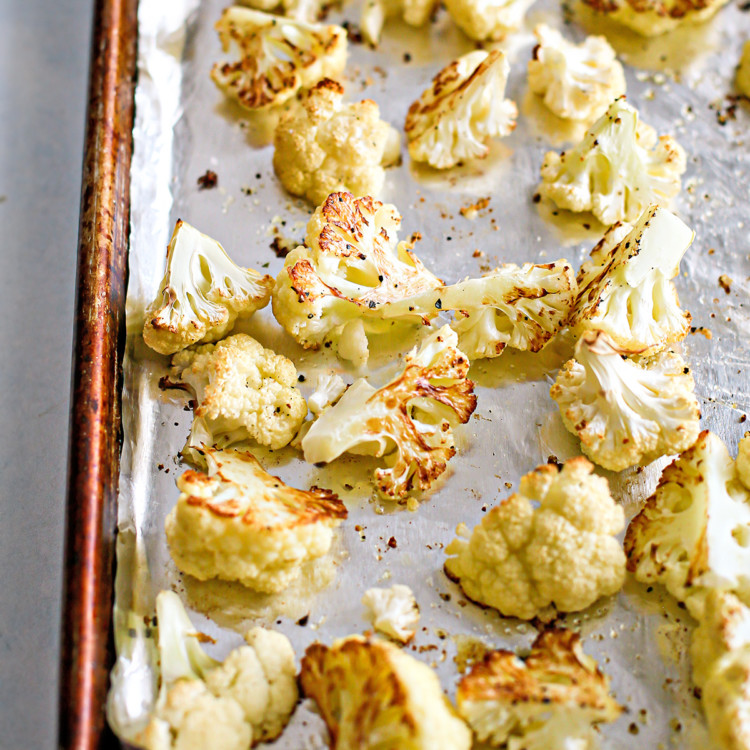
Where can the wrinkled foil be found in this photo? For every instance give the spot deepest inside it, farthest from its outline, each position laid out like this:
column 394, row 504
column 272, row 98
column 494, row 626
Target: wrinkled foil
column 184, row 126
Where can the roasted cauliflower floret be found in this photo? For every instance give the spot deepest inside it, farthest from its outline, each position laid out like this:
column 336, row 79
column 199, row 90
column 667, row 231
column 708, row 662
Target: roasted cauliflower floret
column 208, row 705
column 300, row 10
column 202, row 293
column 654, row 17
column 726, row 701
column 373, row 695
column 329, row 390
column 376, row 12
column 743, row 72
column 335, row 288
column 617, row 170
column 626, row 412
column 484, row 20
column 576, row 81
column 408, row 421
column 464, row 108
column 563, row 555
column 548, row 700
column 692, row 534
column 277, row 56
column 325, row 145
column 393, row 611
column 239, row 523
column 243, row 392
column 625, row 288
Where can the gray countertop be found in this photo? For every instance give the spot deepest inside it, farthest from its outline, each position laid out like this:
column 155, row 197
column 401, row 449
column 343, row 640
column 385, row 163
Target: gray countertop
column 44, row 48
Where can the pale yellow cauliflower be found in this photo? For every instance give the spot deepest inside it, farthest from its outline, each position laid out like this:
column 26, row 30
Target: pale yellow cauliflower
column 743, row 71
column 484, row 20
column 324, row 145
column 625, row 411
column 464, row 107
column 575, row 81
column 393, row 611
column 299, row 10
column 692, row 534
column 617, row 170
column 202, row 293
column 376, row 12
column 563, row 555
column 548, row 700
column 239, row 523
column 243, row 392
column 373, row 696
column 277, row 56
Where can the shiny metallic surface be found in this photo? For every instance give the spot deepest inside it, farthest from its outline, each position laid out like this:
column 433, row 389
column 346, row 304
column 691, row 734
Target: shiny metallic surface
column 184, row 127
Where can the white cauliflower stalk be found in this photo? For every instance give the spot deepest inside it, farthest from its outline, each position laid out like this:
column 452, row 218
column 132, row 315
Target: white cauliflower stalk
column 692, row 534
column 335, row 288
column 463, row 109
column 626, row 412
column 743, row 72
column 202, row 293
column 208, row 705
column 277, row 56
column 625, row 288
column 325, row 145
column 408, row 421
column 373, row 696
column 563, row 556
column 239, row 523
column 393, row 611
column 243, row 392
column 484, row 20
column 617, row 170
column 575, row 81
column 548, row 700
column 376, row 12
column 655, row 17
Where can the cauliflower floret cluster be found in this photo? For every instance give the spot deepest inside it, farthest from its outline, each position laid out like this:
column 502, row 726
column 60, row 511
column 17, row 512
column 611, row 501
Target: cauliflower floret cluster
column 743, row 72
column 692, row 534
column 625, row 288
column 374, row 696
column 408, row 421
column 207, row 705
column 576, row 81
column 464, row 108
column 548, row 700
column 484, row 20
column 563, row 555
column 202, row 293
column 239, row 523
column 617, row 170
column 325, row 145
column 655, row 17
column 277, row 56
column 393, row 611
column 243, row 392
column 335, row 288
column 376, row 12
column 625, row 411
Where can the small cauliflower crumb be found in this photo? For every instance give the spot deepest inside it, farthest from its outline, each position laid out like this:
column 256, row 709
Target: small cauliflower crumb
column 393, row 611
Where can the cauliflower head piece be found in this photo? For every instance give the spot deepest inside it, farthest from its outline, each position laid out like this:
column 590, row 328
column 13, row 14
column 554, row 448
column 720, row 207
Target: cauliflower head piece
column 408, row 421
column 209, row 705
column 334, row 289
column 625, row 288
column 202, row 293
column 563, row 556
column 376, row 12
column 742, row 78
column 277, row 56
column 617, row 170
column 243, row 392
column 373, row 695
column 655, row 17
column 237, row 522
column 575, row 81
column 464, row 108
column 624, row 411
column 726, row 701
column 324, row 145
column 393, row 611
column 299, row 10
column 692, row 534
column 484, row 20
column 548, row 700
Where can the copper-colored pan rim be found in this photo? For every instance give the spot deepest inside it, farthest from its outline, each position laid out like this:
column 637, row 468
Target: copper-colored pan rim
column 94, row 442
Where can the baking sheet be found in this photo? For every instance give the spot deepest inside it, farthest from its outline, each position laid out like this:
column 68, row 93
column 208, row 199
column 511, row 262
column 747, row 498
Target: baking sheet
column 184, row 127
